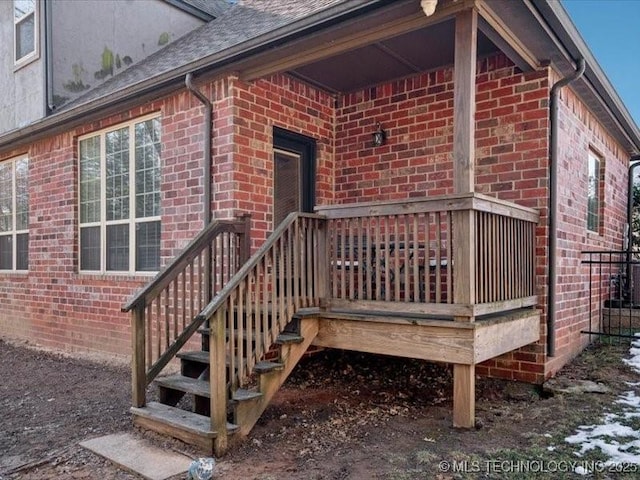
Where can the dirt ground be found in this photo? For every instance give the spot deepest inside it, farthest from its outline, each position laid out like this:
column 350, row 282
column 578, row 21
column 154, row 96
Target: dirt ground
column 340, row 416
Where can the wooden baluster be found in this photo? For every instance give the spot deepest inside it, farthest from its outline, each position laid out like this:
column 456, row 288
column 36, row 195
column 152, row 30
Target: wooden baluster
column 149, row 338
column 351, row 261
column 183, row 275
column 167, row 320
column 408, row 248
column 387, row 260
column 191, row 292
column 242, row 335
column 449, row 254
column 158, row 326
column 231, row 331
column 396, row 260
column 265, row 306
column 250, row 317
column 360, row 267
column 343, row 259
column 283, row 312
column 427, row 257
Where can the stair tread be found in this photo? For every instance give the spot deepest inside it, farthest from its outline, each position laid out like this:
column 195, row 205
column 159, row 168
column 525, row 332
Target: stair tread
column 185, row 384
column 181, row 419
column 287, row 337
column 195, row 356
column 243, row 394
column 266, row 366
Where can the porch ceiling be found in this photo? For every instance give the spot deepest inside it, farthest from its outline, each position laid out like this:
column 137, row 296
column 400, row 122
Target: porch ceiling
column 426, row 49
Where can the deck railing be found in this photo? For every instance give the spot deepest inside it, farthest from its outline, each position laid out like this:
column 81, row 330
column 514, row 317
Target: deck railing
column 402, row 255
column 163, row 312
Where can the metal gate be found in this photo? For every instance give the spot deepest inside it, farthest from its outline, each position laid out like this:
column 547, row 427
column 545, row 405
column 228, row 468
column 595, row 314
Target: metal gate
column 614, row 294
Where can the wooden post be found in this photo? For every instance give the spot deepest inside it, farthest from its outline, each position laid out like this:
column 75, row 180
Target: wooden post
column 464, row 400
column 218, row 381
column 138, row 349
column 464, row 101
column 464, row 289
column 245, row 240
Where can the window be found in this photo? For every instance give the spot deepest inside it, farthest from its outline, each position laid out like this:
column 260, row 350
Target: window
column 120, row 199
column 594, row 193
column 14, row 214
column 25, row 29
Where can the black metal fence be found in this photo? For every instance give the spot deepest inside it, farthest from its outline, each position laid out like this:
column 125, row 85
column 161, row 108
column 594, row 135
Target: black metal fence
column 614, row 294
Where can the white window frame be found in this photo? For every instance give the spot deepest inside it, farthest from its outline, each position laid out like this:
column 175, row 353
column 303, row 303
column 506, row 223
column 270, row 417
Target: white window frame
column 595, row 157
column 13, row 233
column 132, row 221
column 33, row 55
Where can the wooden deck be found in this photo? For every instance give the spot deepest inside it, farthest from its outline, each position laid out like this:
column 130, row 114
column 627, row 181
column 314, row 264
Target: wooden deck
column 396, row 278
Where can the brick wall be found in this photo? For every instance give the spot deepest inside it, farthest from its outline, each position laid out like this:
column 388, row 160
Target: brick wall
column 259, row 106
column 580, row 131
column 53, row 304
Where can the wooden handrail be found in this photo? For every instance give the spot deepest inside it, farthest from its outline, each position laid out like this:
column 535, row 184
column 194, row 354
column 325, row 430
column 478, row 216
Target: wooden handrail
column 451, row 203
column 163, row 312
column 193, row 249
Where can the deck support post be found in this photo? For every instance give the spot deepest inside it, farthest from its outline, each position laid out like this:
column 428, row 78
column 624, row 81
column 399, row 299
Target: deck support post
column 464, row 401
column 464, row 228
column 218, row 382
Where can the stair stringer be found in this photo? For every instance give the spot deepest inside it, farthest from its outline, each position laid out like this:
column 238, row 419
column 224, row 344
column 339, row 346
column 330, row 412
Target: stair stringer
column 248, row 412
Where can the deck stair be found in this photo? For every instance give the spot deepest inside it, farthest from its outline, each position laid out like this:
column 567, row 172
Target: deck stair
column 254, row 329
column 246, row 404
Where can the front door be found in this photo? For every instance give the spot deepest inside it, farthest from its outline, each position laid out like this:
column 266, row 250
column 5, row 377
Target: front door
column 294, row 174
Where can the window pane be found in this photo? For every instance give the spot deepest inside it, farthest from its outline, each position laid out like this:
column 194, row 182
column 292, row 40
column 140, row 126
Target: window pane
column 22, row 194
column 118, row 247
column 90, row 248
column 25, row 36
column 6, row 197
column 117, row 176
column 6, row 252
column 148, row 247
column 148, row 168
column 90, row 180
column 23, row 7
column 22, row 251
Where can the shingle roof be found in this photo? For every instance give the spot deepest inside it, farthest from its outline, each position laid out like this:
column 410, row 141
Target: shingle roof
column 243, row 21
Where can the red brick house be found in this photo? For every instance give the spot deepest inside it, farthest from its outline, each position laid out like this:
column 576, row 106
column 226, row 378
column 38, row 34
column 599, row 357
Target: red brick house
column 433, row 239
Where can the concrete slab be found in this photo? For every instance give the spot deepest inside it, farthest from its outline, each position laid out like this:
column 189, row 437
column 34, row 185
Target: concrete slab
column 139, row 456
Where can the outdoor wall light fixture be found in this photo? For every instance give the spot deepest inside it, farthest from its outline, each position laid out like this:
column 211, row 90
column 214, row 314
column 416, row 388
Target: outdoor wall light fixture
column 379, row 137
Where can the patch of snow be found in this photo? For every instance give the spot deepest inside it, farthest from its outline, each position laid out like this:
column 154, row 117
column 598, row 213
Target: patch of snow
column 619, row 442
column 551, row 448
